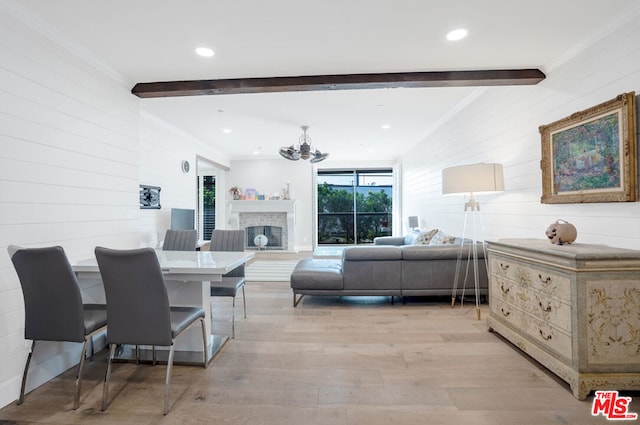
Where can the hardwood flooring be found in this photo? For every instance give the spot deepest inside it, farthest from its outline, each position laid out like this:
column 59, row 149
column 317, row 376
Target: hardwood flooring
column 338, row 361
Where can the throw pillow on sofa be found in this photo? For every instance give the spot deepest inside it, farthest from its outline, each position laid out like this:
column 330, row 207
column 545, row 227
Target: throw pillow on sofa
column 440, row 238
column 425, row 237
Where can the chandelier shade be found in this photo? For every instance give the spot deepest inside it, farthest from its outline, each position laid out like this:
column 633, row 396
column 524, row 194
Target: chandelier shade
column 303, row 151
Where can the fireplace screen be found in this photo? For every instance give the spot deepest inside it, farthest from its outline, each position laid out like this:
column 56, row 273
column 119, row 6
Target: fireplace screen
column 273, row 235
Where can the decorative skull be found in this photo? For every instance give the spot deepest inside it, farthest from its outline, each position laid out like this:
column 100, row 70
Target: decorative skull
column 561, row 232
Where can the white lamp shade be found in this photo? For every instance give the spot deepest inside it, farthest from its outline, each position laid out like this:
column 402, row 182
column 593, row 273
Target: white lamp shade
column 473, row 178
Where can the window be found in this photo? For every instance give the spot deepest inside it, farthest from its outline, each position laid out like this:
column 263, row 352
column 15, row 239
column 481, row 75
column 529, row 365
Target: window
column 207, row 205
column 354, row 206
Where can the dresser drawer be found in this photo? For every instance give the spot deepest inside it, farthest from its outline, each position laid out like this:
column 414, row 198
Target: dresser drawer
column 547, row 309
column 552, row 282
column 549, row 336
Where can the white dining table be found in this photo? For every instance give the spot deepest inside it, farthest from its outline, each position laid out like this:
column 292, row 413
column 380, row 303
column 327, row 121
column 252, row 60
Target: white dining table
column 188, row 276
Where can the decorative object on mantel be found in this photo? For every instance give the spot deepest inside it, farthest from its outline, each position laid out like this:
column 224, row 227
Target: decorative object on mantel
column 286, row 191
column 472, row 179
column 591, row 156
column 149, row 197
column 250, row 194
column 303, row 150
column 561, row 232
column 235, row 192
column 261, row 241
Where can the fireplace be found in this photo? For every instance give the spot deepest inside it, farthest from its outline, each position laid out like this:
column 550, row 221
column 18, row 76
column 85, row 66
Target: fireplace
column 274, row 219
column 273, row 236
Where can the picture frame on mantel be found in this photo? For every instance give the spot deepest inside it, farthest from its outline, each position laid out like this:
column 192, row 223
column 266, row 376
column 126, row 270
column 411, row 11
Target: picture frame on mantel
column 592, row 155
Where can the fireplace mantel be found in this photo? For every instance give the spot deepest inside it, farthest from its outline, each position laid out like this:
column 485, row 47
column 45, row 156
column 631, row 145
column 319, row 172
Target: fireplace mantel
column 287, row 206
column 236, row 208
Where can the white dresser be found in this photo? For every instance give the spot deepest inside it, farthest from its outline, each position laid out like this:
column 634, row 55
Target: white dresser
column 574, row 308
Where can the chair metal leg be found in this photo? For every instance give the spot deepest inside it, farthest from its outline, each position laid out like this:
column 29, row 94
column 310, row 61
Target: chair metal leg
column 233, row 319
column 244, row 303
column 168, row 379
column 88, row 340
column 205, row 343
column 107, row 376
column 24, row 374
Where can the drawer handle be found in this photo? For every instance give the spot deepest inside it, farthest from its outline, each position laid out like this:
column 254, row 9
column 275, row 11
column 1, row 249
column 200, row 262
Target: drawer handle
column 504, row 267
column 505, row 291
column 545, row 337
column 546, row 309
column 547, row 280
column 506, row 313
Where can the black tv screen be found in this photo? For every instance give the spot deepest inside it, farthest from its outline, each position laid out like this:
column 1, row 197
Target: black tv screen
column 182, row 219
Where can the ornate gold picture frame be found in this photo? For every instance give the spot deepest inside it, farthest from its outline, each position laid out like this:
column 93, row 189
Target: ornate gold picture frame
column 592, row 155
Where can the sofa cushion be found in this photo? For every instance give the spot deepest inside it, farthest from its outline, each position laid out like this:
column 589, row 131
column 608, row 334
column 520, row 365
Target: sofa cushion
column 411, row 237
column 436, row 252
column 390, row 240
column 315, row 273
column 368, row 253
column 441, row 238
column 425, row 237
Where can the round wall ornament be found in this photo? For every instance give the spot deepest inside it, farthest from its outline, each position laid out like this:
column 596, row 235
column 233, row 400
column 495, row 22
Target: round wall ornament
column 185, row 166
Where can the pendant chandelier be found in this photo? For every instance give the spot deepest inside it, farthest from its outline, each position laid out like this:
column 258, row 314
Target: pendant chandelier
column 303, row 150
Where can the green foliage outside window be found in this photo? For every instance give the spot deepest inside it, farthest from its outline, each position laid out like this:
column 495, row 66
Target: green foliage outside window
column 336, row 214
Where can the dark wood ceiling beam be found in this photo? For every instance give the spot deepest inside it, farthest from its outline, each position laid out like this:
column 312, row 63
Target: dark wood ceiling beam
column 501, row 77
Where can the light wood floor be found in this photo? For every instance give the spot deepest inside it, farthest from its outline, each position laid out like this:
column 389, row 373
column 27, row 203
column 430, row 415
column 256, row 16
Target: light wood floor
column 331, row 361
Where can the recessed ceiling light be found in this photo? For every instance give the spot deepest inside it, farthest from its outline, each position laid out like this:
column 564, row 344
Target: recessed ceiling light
column 204, row 52
column 386, row 126
column 226, row 131
column 457, row 34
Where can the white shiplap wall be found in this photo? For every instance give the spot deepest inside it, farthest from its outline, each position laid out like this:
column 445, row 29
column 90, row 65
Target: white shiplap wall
column 501, row 125
column 68, row 175
column 75, row 145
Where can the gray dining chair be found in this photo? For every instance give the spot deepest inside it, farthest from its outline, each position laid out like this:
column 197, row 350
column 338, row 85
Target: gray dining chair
column 53, row 305
column 180, row 240
column 234, row 281
column 138, row 310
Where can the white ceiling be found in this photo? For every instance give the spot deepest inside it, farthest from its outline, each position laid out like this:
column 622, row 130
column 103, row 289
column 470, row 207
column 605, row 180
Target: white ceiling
column 154, row 40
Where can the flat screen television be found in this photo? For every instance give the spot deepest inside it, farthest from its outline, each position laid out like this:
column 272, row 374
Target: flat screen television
column 182, row 219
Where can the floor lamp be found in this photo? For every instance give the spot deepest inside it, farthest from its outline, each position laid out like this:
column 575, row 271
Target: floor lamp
column 471, row 179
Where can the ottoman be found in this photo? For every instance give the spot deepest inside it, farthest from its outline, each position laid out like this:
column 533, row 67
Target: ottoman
column 316, row 276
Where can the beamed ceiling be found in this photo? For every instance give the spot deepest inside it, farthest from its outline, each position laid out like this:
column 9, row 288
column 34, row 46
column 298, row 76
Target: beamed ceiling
column 344, row 68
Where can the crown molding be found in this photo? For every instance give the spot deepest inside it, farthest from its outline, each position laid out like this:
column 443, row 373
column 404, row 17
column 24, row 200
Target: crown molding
column 20, row 13
column 623, row 18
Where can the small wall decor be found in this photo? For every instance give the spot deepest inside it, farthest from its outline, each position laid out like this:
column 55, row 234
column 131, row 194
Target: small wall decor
column 149, row 197
column 591, row 156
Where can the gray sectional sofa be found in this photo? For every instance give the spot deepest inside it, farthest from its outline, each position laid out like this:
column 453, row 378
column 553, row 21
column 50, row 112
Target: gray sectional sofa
column 390, row 268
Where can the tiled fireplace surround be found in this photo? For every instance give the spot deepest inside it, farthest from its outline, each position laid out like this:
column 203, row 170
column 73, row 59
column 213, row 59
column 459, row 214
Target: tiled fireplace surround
column 281, row 213
column 275, row 219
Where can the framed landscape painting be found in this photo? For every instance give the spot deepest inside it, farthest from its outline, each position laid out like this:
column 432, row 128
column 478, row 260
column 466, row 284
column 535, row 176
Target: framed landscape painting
column 591, row 156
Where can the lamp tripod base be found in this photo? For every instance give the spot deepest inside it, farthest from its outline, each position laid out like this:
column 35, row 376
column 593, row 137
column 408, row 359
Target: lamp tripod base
column 471, row 210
